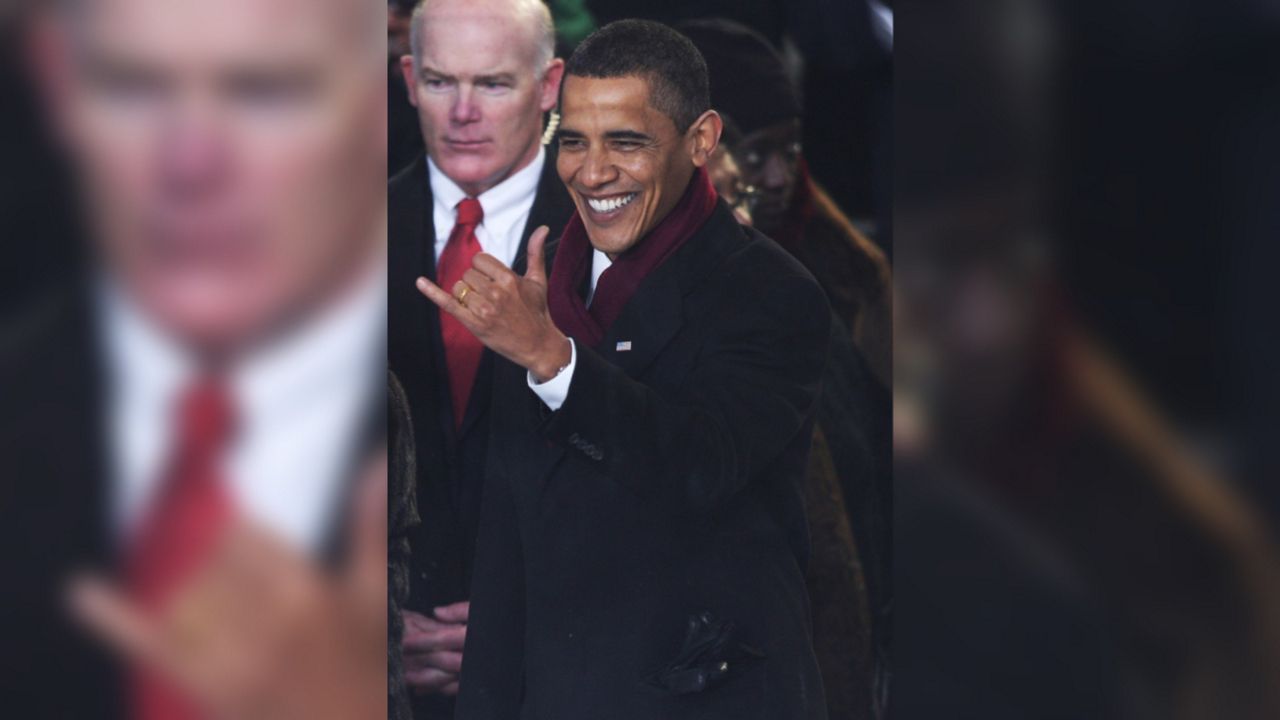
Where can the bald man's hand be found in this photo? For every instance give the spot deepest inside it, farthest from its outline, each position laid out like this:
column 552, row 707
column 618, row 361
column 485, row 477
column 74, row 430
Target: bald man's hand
column 507, row 312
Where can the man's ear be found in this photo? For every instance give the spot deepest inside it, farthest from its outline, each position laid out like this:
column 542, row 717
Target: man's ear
column 551, row 85
column 410, row 78
column 704, row 136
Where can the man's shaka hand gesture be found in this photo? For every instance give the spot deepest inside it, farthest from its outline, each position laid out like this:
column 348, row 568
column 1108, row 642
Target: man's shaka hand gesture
column 507, row 312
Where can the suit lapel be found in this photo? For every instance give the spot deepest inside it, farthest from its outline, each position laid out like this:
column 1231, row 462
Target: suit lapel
column 653, row 316
column 426, row 244
column 648, row 322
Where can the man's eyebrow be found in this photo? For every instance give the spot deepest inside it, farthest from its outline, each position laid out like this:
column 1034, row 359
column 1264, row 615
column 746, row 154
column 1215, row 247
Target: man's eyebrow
column 627, row 135
column 426, row 70
column 631, row 135
column 496, row 78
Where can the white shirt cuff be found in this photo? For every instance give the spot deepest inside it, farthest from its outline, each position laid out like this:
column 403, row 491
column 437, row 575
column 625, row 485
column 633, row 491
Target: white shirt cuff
column 554, row 391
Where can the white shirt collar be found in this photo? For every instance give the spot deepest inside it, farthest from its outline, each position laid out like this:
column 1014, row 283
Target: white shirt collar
column 506, row 207
column 599, row 263
column 301, row 404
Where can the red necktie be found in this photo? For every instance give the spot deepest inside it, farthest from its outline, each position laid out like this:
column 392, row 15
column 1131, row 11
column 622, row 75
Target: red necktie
column 462, row 350
column 181, row 528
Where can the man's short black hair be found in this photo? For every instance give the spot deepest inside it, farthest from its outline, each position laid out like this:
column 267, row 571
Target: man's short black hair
column 675, row 70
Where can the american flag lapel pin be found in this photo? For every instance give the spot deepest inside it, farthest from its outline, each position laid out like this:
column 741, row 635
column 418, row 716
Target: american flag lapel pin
column 623, row 346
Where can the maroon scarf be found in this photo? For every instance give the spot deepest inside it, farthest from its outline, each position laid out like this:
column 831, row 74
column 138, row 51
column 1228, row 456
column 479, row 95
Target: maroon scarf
column 620, row 281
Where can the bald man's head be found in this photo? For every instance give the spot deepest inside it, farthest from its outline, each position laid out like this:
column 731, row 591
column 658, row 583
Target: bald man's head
column 482, row 75
column 232, row 153
column 531, row 15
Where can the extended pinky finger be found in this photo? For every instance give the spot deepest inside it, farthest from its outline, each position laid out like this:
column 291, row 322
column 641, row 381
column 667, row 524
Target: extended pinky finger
column 444, row 300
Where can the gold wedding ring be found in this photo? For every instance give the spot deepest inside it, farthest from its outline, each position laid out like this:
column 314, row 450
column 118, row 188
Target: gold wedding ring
column 462, row 296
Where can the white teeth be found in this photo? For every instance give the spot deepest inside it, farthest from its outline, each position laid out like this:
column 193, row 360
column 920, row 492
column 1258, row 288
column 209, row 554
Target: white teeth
column 611, row 204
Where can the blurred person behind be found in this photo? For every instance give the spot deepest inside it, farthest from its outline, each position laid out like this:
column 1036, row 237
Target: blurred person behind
column 843, row 62
column 573, row 22
column 751, row 85
column 726, row 176
column 848, row 486
column 482, row 75
column 1085, row 558
column 192, row 416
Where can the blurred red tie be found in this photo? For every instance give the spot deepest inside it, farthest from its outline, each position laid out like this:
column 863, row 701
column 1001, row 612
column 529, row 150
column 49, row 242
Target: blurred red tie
column 462, row 350
column 181, row 527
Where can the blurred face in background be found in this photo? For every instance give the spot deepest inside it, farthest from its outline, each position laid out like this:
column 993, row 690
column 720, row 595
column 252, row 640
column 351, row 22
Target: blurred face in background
column 727, row 178
column 231, row 153
column 973, row 313
column 481, row 87
column 769, row 159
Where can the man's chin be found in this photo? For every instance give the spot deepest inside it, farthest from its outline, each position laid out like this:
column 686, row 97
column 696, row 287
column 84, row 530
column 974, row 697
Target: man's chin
column 221, row 323
column 468, row 169
column 610, row 243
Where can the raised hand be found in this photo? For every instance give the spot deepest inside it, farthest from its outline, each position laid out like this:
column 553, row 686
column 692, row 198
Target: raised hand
column 508, row 312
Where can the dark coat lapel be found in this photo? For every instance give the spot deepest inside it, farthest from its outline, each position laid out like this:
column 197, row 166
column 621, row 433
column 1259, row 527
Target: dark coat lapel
column 422, row 227
column 647, row 323
column 655, row 313
column 420, row 253
column 53, row 439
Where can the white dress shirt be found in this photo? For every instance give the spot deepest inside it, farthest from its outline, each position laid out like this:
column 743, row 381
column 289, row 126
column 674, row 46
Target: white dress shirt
column 555, row 391
column 301, row 406
column 506, row 208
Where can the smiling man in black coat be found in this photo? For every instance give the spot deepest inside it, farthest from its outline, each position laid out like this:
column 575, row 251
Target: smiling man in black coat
column 642, row 537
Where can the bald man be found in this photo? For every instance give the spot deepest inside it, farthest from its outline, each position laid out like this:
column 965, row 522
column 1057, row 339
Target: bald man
column 218, row 374
column 482, row 76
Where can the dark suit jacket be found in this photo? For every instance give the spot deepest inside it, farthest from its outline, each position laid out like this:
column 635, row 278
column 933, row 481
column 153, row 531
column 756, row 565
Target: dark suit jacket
column 53, row 513
column 665, row 487
column 450, row 462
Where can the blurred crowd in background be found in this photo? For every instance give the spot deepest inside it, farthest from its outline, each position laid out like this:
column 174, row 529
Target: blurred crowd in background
column 1084, row 360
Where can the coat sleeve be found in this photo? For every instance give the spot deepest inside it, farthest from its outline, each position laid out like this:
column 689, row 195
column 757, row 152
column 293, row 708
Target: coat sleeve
column 753, row 387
